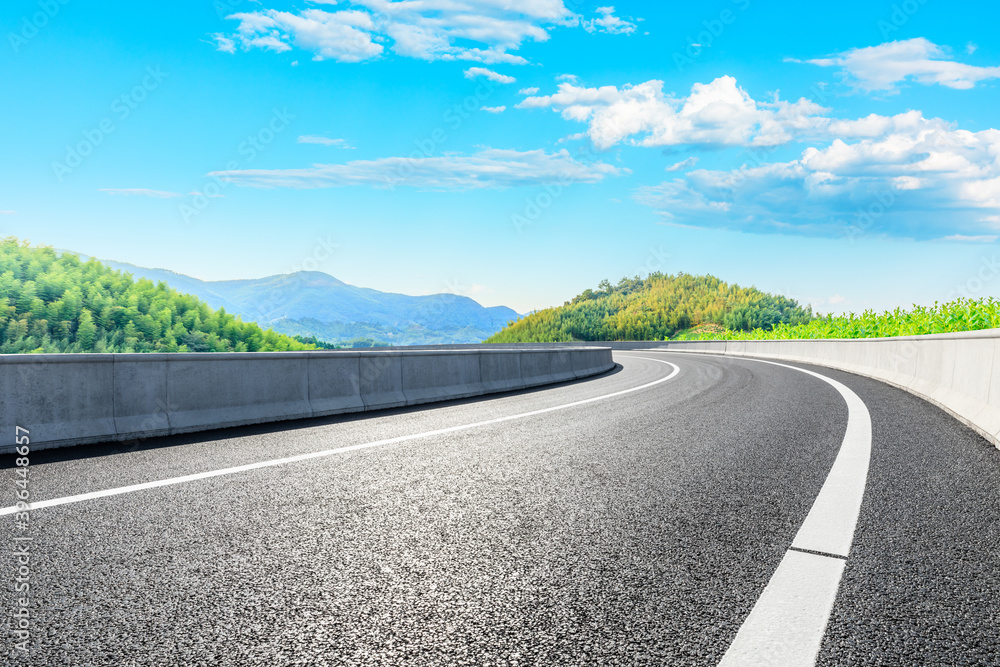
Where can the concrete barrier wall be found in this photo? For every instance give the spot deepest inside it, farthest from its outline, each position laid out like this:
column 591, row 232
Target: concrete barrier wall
column 73, row 399
column 70, row 399
column 959, row 372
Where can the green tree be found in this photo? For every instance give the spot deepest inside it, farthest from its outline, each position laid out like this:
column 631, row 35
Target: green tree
column 86, row 330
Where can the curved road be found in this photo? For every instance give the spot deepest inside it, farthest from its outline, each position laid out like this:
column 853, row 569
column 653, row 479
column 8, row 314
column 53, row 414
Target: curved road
column 630, row 519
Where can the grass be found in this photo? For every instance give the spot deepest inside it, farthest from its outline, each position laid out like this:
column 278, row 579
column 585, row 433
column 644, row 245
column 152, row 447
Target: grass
column 958, row 315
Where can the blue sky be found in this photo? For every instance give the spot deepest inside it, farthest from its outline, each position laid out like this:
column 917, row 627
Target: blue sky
column 847, row 157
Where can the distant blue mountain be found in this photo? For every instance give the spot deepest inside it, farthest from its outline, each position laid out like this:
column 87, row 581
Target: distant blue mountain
column 311, row 303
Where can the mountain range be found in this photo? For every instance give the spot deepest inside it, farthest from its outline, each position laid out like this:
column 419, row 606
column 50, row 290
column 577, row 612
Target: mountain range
column 312, row 303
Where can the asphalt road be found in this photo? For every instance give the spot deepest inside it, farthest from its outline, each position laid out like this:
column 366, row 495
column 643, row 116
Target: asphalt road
column 636, row 530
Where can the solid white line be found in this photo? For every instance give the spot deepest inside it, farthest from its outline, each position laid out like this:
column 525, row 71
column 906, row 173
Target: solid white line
column 829, row 526
column 329, row 452
column 782, row 628
column 787, row 624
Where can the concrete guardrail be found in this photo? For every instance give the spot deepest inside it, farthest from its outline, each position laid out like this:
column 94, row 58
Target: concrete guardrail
column 956, row 372
column 75, row 399
column 72, row 399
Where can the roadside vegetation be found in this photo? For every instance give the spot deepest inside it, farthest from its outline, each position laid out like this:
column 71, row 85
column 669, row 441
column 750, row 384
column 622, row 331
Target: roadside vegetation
column 53, row 303
column 353, row 344
column 958, row 315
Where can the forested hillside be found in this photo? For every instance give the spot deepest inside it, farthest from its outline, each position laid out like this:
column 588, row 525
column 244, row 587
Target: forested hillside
column 655, row 308
column 52, row 303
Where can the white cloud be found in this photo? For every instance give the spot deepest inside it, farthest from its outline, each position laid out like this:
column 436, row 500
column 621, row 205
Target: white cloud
column 324, row 141
column 677, row 166
column 971, row 48
column 223, row 43
column 474, row 72
column 478, row 30
column 576, row 136
column 142, row 192
column 926, row 182
column 528, row 91
column 490, row 168
column 499, row 109
column 345, row 36
column 883, row 67
column 8, row 212
column 715, row 114
column 572, row 78
column 874, row 125
column 606, row 21
column 719, row 113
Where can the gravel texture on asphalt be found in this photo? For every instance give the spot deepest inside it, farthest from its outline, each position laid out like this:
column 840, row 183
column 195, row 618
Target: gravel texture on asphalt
column 638, row 530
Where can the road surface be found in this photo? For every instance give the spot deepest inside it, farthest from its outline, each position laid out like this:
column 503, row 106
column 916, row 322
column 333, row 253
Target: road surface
column 635, row 518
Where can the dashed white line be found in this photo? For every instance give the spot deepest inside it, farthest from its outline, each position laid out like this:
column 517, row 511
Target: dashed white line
column 67, row 500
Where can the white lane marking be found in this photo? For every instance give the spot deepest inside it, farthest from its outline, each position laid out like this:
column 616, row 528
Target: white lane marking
column 787, row 624
column 797, row 599
column 330, row 452
column 829, row 526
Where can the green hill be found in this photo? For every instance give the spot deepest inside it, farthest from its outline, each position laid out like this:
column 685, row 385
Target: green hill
column 659, row 307
column 53, row 303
